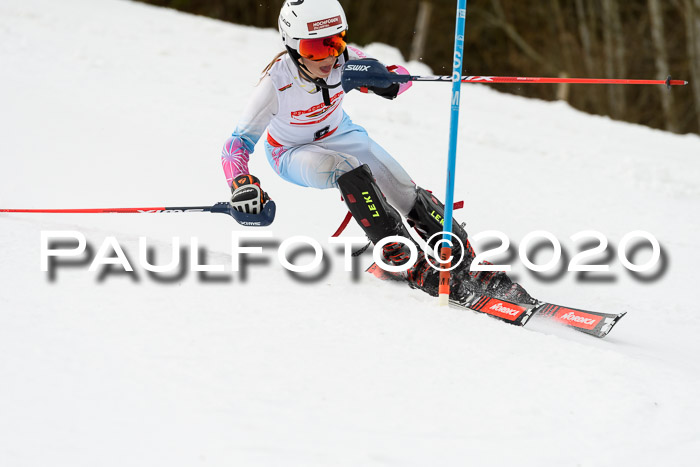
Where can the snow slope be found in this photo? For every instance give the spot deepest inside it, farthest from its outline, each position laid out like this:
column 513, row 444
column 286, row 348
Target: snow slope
column 109, row 103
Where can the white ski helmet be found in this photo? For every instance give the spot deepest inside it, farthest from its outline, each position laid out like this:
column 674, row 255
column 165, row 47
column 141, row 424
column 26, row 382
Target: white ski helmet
column 310, row 19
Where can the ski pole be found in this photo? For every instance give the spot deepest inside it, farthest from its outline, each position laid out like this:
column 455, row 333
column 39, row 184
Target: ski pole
column 668, row 82
column 264, row 218
column 446, row 251
column 370, row 73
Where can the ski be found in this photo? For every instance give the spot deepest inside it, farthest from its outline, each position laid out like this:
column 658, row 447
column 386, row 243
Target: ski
column 518, row 314
column 589, row 322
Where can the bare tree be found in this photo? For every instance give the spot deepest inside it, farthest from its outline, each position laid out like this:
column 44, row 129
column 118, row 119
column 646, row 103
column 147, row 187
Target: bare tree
column 614, row 55
column 594, row 97
column 658, row 35
column 585, row 34
column 498, row 18
column 425, row 8
column 566, row 64
column 692, row 27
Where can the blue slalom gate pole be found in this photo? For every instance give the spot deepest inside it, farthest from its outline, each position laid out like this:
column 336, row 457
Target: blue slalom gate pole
column 446, row 251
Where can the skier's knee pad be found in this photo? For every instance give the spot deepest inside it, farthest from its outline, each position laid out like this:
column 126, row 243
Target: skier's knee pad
column 368, row 205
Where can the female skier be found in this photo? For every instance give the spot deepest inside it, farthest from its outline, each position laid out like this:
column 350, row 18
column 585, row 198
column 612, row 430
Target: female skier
column 312, row 142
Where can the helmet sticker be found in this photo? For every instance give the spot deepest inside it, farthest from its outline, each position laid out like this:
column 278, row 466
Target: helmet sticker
column 324, row 23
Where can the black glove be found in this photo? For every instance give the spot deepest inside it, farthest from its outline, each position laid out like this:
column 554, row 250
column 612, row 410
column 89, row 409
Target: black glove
column 246, row 194
column 387, row 93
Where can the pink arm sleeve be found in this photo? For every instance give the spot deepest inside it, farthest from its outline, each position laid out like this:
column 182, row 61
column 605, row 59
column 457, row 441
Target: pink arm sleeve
column 260, row 110
column 234, row 159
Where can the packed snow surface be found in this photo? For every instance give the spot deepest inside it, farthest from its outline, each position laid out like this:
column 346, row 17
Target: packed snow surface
column 109, row 103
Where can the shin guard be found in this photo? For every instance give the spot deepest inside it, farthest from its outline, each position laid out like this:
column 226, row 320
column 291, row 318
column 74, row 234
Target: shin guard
column 368, row 205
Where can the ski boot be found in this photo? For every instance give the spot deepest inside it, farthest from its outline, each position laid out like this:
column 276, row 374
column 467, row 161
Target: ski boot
column 497, row 284
column 379, row 220
column 427, row 218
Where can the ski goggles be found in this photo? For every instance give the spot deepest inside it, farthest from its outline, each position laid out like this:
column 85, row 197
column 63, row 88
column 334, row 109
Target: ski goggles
column 323, row 47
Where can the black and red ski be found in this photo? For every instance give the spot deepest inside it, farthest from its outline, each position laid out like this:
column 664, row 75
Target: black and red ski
column 590, row 322
column 518, row 314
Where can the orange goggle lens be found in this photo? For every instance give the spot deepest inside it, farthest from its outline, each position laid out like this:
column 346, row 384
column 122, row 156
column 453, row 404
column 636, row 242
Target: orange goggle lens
column 323, row 47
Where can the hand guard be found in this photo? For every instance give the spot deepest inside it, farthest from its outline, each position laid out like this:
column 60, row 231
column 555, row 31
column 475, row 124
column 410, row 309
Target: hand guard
column 246, row 194
column 399, row 70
